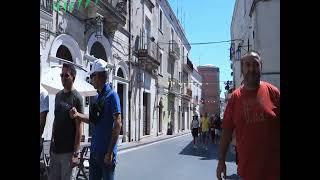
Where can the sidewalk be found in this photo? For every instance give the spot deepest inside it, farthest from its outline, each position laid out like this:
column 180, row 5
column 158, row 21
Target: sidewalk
column 147, row 140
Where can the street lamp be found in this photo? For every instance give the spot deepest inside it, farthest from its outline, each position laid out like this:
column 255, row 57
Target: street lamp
column 238, row 52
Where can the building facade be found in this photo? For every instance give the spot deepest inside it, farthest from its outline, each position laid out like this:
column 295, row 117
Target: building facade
column 210, row 89
column 196, row 83
column 256, row 25
column 144, row 44
column 157, row 39
column 81, row 33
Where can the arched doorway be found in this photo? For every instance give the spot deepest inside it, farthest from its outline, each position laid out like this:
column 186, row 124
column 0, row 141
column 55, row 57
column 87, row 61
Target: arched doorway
column 64, row 53
column 98, row 51
column 122, row 86
column 120, row 91
column 160, row 116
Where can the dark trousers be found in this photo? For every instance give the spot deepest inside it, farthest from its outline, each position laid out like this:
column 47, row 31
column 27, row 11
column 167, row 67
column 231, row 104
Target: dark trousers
column 98, row 169
column 41, row 146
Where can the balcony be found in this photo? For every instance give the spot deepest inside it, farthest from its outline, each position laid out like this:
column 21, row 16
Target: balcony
column 188, row 66
column 148, row 56
column 46, row 6
column 174, row 50
column 187, row 93
column 174, row 86
column 113, row 11
column 46, row 9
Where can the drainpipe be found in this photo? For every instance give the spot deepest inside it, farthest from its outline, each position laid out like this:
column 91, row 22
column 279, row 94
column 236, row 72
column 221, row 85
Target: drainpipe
column 130, row 84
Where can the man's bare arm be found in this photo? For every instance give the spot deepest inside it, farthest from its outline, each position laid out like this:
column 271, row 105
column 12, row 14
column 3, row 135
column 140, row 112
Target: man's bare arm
column 74, row 114
column 83, row 117
column 226, row 138
column 115, row 132
column 43, row 118
column 78, row 135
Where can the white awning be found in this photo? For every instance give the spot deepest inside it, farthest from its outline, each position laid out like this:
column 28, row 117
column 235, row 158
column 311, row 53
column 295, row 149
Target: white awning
column 51, row 81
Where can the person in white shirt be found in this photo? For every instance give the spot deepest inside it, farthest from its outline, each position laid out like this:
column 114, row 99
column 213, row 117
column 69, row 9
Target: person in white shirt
column 44, row 109
column 195, row 126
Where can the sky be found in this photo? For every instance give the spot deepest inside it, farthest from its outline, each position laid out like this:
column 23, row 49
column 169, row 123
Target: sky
column 208, row 21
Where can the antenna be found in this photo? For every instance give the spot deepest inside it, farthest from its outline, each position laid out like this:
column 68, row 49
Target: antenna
column 181, row 13
column 178, row 9
column 184, row 21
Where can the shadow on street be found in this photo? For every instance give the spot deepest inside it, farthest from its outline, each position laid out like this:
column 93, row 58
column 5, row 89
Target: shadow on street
column 210, row 154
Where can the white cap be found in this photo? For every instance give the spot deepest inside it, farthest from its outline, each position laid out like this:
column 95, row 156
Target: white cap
column 98, row 65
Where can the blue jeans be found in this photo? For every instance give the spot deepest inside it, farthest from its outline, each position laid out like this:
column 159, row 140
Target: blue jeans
column 98, row 169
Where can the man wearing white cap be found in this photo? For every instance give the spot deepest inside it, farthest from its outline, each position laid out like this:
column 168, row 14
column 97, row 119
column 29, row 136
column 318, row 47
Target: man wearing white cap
column 105, row 114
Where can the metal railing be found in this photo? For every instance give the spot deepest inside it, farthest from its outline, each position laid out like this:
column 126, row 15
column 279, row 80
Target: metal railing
column 174, row 48
column 119, row 5
column 152, row 50
column 189, row 92
column 46, row 5
column 174, row 85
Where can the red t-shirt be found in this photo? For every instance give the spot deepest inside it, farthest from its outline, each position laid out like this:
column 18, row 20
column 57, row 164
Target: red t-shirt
column 255, row 114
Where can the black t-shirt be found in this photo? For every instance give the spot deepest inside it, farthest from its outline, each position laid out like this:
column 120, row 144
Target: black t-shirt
column 217, row 124
column 64, row 128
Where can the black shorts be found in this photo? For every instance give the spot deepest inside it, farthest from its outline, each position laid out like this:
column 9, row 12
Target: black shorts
column 195, row 132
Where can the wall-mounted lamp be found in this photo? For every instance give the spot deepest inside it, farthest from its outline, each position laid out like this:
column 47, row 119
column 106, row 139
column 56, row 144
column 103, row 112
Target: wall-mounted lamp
column 99, row 26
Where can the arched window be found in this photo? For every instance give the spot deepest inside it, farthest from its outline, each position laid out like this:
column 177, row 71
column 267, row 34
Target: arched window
column 64, row 53
column 98, row 51
column 120, row 73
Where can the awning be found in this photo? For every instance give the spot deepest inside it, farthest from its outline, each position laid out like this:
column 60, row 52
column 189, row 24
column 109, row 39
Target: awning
column 51, row 81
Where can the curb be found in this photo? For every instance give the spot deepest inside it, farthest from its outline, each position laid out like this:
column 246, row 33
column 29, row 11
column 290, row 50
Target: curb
column 120, row 148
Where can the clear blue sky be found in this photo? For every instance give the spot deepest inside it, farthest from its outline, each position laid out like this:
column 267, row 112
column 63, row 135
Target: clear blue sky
column 207, row 21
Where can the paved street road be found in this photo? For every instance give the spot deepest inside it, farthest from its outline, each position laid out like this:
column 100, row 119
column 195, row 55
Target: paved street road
column 173, row 159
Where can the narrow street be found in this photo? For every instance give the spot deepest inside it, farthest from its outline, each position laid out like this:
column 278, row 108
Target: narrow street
column 171, row 159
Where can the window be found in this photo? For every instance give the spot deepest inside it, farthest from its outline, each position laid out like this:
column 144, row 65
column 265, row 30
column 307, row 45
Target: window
column 172, row 34
column 148, row 29
column 180, row 77
column 160, row 60
column 253, row 34
column 160, row 21
column 183, row 54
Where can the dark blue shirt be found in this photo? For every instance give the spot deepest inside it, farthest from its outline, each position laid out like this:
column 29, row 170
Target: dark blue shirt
column 102, row 131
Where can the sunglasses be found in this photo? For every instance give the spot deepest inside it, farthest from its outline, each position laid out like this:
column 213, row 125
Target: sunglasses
column 65, row 75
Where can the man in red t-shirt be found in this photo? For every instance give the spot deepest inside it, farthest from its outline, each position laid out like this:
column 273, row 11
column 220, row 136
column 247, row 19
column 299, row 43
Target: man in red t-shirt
column 253, row 110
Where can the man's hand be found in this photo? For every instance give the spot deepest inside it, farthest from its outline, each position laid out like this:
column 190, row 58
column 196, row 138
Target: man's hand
column 74, row 162
column 73, row 113
column 108, row 159
column 221, row 168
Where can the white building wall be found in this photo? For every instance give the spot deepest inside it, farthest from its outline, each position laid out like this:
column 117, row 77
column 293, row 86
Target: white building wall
column 267, row 25
column 263, row 31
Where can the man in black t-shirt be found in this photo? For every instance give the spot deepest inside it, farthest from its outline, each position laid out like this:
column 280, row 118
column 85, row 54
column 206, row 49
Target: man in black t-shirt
column 66, row 133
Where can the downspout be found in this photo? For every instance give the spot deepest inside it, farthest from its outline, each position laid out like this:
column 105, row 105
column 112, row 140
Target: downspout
column 142, row 39
column 130, row 84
